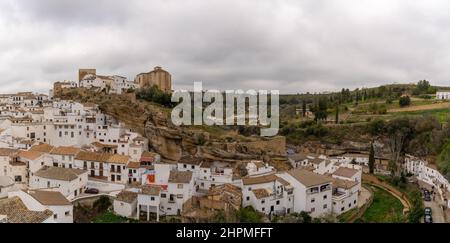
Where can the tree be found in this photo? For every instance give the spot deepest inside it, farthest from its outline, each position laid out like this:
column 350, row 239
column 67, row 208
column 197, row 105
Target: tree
column 102, row 204
column 399, row 134
column 321, row 110
column 405, row 101
column 304, row 108
column 337, row 114
column 372, row 159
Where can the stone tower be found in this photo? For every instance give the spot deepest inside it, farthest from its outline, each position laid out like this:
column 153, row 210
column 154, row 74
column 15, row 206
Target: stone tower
column 158, row 77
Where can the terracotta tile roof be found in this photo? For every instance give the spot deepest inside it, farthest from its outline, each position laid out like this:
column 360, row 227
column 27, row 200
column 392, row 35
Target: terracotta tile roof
column 126, row 196
column 134, row 165
column 227, row 193
column 43, row 147
column 148, row 156
column 57, row 173
column 259, row 179
column 298, row 157
column 49, row 198
column 92, row 156
column 151, row 190
column 102, row 145
column 183, row 177
column 65, row 151
column 309, row 178
column 261, row 193
column 283, row 181
column 118, row 159
column 345, row 172
column 17, row 212
column 7, row 152
column 345, row 184
column 31, row 155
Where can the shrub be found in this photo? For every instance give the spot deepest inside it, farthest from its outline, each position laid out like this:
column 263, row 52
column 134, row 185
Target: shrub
column 405, row 101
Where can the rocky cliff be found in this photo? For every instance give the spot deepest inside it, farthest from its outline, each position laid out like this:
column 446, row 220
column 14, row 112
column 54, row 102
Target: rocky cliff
column 172, row 142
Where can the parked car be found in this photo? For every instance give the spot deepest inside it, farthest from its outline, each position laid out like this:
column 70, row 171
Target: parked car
column 428, row 219
column 427, row 198
column 428, row 211
column 92, row 191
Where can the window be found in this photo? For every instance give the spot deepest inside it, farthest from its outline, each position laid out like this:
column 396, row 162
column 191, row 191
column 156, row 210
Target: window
column 248, row 198
column 163, row 195
column 313, row 210
column 278, row 202
column 354, row 202
column 180, row 186
column 313, row 200
column 180, row 196
column 55, row 216
column 152, row 198
column 185, row 166
column 342, row 209
column 325, row 197
column 325, row 206
column 193, row 167
column 18, row 178
column 263, row 209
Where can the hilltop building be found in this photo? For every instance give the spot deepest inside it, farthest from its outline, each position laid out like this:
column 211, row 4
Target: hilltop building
column 158, row 77
column 443, row 95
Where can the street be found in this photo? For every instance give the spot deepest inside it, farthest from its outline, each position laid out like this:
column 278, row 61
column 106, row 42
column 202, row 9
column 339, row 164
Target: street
column 435, row 205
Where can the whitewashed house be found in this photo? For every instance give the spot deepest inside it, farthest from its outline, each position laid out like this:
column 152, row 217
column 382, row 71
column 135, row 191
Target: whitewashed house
column 345, row 195
column 312, row 192
column 269, row 194
column 259, row 168
column 70, row 182
column 39, row 200
column 443, row 95
column 125, row 204
column 14, row 210
column 149, row 202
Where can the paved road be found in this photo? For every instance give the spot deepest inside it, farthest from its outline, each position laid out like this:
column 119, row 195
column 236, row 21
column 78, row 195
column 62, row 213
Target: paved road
column 438, row 214
column 435, row 205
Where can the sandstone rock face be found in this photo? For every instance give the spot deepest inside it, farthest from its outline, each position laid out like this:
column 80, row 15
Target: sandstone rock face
column 172, row 142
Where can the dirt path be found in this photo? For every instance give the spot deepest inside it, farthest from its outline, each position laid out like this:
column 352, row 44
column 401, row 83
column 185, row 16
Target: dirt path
column 421, row 107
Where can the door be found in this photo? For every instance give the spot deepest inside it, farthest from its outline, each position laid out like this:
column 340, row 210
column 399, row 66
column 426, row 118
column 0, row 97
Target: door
column 113, row 178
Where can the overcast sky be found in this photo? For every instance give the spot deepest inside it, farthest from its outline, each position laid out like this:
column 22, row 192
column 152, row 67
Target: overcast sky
column 293, row 46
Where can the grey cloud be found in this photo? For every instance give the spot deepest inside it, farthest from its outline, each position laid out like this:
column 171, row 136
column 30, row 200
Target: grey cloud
column 294, row 46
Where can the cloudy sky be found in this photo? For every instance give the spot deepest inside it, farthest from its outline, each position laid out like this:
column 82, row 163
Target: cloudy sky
column 294, row 46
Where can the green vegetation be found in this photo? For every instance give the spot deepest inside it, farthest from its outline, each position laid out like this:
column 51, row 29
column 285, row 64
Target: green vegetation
column 404, row 101
column 154, row 94
column 384, row 209
column 413, row 193
column 110, row 217
column 444, row 159
column 372, row 159
column 249, row 215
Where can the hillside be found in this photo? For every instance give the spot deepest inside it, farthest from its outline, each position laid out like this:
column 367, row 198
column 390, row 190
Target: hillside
column 153, row 121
